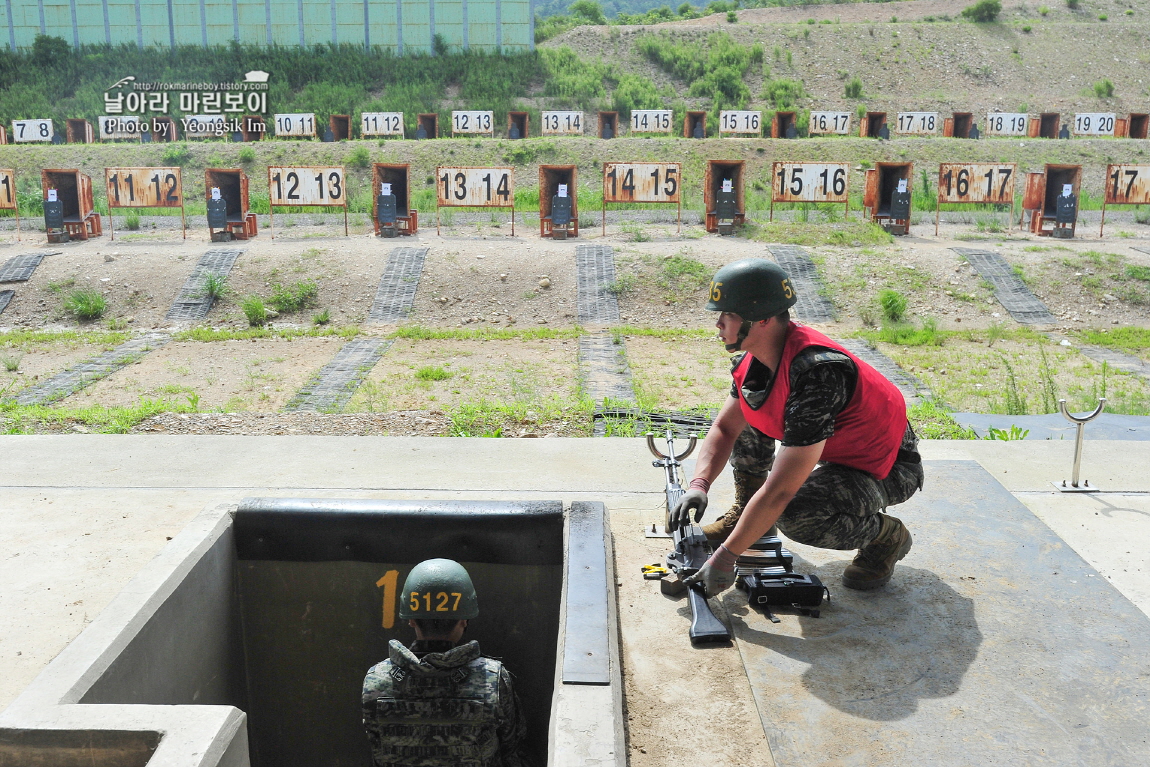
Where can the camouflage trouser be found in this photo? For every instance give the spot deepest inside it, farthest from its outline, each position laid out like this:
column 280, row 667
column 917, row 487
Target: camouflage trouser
column 837, row 507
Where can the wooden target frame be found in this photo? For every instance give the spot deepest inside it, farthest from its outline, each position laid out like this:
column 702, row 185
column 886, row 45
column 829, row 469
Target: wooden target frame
column 144, row 187
column 9, row 200
column 282, row 175
column 1125, row 184
column 1001, row 189
column 491, row 182
column 620, row 186
column 807, row 175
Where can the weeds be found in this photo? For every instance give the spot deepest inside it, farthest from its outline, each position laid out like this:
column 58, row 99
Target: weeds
column 321, row 318
column 433, row 373
column 1104, row 89
column 11, row 362
column 209, row 335
column 853, row 89
column 85, row 304
column 932, row 420
column 255, row 310
column 132, row 221
column 215, row 286
column 893, row 305
column 301, row 295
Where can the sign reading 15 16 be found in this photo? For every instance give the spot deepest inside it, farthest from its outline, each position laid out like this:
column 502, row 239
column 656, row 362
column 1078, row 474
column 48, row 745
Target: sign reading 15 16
column 306, row 185
column 809, row 182
column 976, row 182
column 144, row 187
column 475, row 187
column 641, row 181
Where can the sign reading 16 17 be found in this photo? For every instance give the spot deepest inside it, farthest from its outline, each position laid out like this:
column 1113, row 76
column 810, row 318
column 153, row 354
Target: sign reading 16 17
column 641, row 182
column 976, row 182
column 472, row 122
column 829, row 122
column 651, row 121
column 809, row 182
column 475, row 187
column 306, row 185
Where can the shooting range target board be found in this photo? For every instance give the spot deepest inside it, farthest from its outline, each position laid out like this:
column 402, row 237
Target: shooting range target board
column 144, row 188
column 562, row 123
column 1094, row 124
column 8, row 199
column 381, row 124
column 204, row 126
column 651, row 121
column 1124, row 185
column 306, row 185
column 810, row 182
column 27, row 131
column 649, row 182
column 734, row 122
column 1007, row 123
column 475, row 188
column 295, row 125
column 917, row 123
column 472, row 122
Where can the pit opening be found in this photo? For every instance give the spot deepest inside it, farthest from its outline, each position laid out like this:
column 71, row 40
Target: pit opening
column 889, row 174
column 399, row 176
column 717, row 172
column 550, row 177
column 429, row 124
column 783, row 125
column 608, row 124
column 873, row 123
column 695, row 125
column 253, row 128
column 170, row 133
column 67, row 186
column 961, row 125
column 1137, row 125
column 340, row 126
column 232, row 188
column 519, row 121
column 1048, row 125
column 1056, row 177
column 79, row 131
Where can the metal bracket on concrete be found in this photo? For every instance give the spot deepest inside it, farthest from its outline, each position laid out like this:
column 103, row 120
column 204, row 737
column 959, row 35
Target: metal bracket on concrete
column 1080, row 423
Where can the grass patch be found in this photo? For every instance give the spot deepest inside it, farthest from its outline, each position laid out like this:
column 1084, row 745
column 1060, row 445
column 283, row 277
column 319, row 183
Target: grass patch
column 423, row 333
column 932, row 420
column 486, row 418
column 254, row 310
column 299, row 296
column 215, row 285
column 904, row 334
column 85, row 304
column 26, row 338
column 208, row 335
column 433, row 373
column 852, row 234
column 1126, row 339
column 24, row 419
column 631, row 330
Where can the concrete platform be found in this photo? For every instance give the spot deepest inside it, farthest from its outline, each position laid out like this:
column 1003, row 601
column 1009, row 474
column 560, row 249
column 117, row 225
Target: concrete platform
column 1023, row 666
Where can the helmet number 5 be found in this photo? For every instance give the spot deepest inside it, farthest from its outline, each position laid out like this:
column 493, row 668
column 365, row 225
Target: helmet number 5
column 717, row 293
column 787, row 291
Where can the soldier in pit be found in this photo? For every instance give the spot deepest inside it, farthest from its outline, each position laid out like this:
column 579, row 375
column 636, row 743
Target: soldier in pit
column 440, row 703
column 847, row 450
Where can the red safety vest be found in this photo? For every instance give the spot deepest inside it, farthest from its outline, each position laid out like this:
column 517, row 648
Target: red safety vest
column 868, row 431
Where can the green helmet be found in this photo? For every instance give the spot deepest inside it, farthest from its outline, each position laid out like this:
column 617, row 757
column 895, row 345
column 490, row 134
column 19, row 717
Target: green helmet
column 753, row 288
column 438, row 588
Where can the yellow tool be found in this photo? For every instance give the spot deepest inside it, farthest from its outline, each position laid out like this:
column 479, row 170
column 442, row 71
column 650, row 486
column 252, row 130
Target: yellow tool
column 655, row 572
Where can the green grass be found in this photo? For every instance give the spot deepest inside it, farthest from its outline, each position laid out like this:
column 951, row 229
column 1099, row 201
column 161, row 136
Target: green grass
column 215, row 285
column 24, row 419
column 932, row 420
column 852, row 234
column 433, row 373
column 893, row 304
column 423, row 333
column 664, row 333
column 85, row 304
column 297, row 297
column 1126, row 339
column 26, row 338
column 255, row 310
column 209, row 335
column 904, row 334
column 487, row 418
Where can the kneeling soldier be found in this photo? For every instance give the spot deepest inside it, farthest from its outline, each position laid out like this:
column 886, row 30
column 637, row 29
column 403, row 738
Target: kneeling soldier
column 440, row 703
column 829, row 410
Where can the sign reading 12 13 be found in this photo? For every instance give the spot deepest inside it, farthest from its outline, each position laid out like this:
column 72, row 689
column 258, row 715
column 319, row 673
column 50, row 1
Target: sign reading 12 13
column 472, row 122
column 306, row 185
column 651, row 121
column 475, row 187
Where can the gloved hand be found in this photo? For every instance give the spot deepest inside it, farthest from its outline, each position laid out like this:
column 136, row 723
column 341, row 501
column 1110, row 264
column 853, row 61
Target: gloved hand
column 692, row 499
column 717, row 574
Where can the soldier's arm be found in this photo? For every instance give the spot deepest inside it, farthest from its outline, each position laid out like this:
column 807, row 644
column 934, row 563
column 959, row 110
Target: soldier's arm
column 716, row 448
column 792, row 467
column 512, row 724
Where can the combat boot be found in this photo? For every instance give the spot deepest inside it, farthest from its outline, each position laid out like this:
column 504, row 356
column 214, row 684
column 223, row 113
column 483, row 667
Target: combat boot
column 874, row 564
column 746, row 485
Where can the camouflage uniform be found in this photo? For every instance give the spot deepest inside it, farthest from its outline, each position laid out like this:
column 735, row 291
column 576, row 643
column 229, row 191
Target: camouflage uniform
column 837, row 507
column 441, row 706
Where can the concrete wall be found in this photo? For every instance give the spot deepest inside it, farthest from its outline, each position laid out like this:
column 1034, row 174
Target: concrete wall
column 403, row 26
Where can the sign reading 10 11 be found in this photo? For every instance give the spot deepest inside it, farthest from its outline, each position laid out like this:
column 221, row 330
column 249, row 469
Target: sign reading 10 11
column 562, row 123
column 306, row 185
column 641, row 182
column 809, row 182
column 302, row 124
column 472, row 122
column 144, row 187
column 1125, row 185
column 988, row 183
column 741, row 121
column 651, row 121
column 475, row 187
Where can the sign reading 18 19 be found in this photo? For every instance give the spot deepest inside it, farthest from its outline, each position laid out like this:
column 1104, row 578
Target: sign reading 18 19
column 809, row 182
column 1006, row 123
column 641, row 182
column 306, row 185
column 144, row 187
column 475, row 187
column 651, row 121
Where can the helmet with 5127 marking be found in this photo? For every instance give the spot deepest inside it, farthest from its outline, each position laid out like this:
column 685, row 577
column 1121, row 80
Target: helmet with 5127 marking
column 438, row 589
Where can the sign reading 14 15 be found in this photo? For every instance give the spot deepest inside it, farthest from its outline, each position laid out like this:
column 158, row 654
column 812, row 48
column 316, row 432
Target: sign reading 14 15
column 651, row 121
column 640, row 182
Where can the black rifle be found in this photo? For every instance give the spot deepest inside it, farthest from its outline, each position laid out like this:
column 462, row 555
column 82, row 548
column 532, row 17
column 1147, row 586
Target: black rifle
column 691, row 550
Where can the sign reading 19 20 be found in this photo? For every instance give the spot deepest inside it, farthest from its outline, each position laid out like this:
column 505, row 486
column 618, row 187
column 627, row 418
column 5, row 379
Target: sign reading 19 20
column 1094, row 124
column 651, row 121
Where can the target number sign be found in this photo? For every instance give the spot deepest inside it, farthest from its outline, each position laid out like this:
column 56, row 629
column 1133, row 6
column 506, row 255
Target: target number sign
column 381, row 124
column 472, row 122
column 651, row 121
column 475, row 187
column 7, row 189
column 562, row 123
column 740, row 121
column 830, row 122
column 809, row 182
column 24, row 131
column 918, row 123
column 1125, row 185
column 297, row 125
column 112, row 128
column 144, row 187
column 641, row 181
column 306, row 185
column 1094, row 124
column 989, row 183
column 1007, row 123
column 204, row 126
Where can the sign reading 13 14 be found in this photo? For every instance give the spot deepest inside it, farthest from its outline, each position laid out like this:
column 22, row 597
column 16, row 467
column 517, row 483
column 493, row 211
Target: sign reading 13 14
column 562, row 123
column 475, row 187
column 651, row 121
column 641, row 182
column 144, row 187
column 306, row 185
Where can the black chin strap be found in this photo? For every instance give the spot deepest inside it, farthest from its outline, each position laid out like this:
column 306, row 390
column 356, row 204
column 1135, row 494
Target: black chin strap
column 744, row 329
